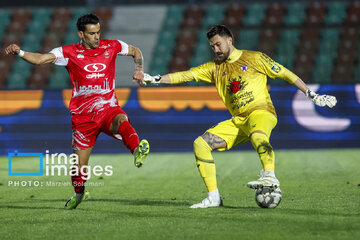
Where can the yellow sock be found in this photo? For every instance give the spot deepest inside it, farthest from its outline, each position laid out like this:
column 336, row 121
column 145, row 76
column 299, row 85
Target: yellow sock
column 205, row 163
column 264, row 149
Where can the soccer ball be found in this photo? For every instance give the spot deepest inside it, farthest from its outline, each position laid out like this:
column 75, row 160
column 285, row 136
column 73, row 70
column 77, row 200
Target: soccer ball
column 268, row 197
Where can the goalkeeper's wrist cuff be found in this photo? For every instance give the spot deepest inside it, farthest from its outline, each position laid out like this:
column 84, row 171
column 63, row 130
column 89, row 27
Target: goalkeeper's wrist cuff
column 21, row 53
column 309, row 93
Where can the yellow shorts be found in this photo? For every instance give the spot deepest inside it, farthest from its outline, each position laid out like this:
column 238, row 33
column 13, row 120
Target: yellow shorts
column 237, row 130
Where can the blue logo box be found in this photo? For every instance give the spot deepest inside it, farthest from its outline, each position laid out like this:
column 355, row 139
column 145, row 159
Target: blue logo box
column 17, row 154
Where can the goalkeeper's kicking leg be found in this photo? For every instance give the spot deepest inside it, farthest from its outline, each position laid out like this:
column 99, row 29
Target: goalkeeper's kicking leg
column 202, row 148
column 261, row 143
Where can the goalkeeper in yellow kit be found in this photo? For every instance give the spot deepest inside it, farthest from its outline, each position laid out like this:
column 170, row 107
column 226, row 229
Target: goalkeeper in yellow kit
column 240, row 77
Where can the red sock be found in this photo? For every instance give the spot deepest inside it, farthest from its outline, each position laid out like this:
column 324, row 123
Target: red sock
column 79, row 183
column 129, row 136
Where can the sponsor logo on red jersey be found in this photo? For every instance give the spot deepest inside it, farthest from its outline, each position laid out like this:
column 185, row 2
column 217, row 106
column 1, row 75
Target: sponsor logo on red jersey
column 95, row 67
column 92, row 73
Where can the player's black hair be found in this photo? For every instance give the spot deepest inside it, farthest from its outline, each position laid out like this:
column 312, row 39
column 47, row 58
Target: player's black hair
column 222, row 30
column 89, row 18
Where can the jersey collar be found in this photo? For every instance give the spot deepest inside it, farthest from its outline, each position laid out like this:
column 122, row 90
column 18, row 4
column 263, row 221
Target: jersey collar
column 235, row 55
column 91, row 52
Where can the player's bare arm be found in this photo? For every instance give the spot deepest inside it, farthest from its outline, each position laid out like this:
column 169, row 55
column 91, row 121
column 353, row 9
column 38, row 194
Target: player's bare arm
column 165, row 79
column 34, row 58
column 138, row 60
column 300, row 85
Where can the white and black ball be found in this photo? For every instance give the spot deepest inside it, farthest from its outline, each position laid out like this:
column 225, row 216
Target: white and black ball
column 268, row 197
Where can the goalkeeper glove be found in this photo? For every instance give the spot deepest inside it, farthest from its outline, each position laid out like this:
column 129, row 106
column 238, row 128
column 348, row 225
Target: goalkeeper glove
column 151, row 79
column 321, row 100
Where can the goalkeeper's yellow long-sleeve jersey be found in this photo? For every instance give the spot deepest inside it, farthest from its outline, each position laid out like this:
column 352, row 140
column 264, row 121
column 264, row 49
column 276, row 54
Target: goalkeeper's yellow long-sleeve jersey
column 240, row 80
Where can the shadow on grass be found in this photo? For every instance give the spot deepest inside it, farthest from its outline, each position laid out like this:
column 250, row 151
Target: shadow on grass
column 28, row 207
column 241, row 208
column 134, row 202
column 144, row 202
column 137, row 202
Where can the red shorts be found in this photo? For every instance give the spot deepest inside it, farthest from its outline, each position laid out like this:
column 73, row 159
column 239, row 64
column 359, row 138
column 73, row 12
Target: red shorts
column 87, row 127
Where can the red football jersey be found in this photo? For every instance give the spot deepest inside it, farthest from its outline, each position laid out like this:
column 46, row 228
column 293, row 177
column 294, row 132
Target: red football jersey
column 92, row 73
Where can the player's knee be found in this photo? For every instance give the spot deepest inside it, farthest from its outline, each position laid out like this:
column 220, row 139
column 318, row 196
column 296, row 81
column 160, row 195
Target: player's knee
column 264, row 148
column 200, row 143
column 117, row 121
column 197, row 143
column 121, row 118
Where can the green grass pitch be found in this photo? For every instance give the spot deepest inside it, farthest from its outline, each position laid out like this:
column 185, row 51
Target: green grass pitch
column 321, row 200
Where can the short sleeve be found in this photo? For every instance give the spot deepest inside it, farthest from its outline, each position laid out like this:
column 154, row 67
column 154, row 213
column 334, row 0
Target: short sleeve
column 60, row 59
column 204, row 73
column 124, row 48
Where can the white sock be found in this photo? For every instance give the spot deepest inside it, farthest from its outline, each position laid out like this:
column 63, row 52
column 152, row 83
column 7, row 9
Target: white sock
column 79, row 196
column 270, row 173
column 214, row 195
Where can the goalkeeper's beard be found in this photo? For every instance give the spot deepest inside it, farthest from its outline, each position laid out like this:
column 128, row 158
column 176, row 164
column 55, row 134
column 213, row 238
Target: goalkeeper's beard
column 223, row 57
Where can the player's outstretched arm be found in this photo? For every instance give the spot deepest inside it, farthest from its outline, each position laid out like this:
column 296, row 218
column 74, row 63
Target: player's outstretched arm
column 319, row 100
column 138, row 60
column 175, row 78
column 273, row 69
column 201, row 73
column 34, row 58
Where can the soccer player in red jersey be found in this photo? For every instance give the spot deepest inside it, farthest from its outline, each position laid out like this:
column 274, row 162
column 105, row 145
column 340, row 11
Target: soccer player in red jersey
column 94, row 107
